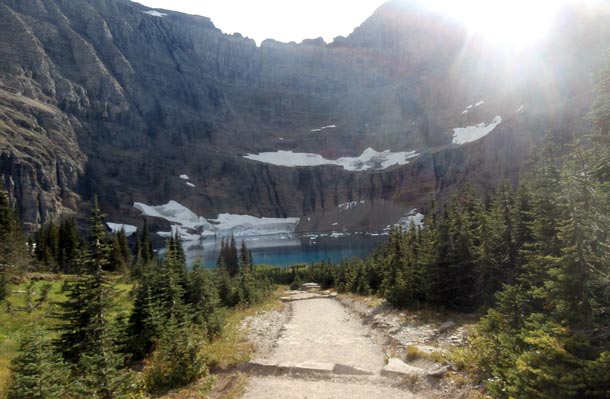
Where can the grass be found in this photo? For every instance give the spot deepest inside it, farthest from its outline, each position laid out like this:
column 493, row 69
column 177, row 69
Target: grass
column 232, row 347
column 16, row 317
column 226, row 352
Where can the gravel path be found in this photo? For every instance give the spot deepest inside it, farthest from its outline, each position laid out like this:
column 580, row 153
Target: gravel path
column 321, row 333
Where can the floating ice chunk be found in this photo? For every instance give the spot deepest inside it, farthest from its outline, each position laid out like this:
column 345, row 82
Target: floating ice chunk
column 155, row 13
column 323, row 128
column 468, row 134
column 479, row 103
column 188, row 183
column 370, row 159
column 127, row 228
column 520, row 109
column 184, row 177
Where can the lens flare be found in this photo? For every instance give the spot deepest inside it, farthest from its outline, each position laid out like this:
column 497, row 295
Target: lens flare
column 507, row 22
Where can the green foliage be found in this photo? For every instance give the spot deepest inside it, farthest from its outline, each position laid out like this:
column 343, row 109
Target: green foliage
column 38, row 372
column 228, row 258
column 177, row 359
column 4, row 289
column 13, row 250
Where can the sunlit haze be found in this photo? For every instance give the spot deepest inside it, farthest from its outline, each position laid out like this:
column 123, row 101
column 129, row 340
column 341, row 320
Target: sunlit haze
column 283, row 20
column 509, row 22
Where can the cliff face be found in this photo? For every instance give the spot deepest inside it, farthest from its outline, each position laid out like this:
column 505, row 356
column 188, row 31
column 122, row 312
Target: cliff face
column 100, row 96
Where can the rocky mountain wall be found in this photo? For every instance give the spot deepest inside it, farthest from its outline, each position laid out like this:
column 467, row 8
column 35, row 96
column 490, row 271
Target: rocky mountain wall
column 101, row 97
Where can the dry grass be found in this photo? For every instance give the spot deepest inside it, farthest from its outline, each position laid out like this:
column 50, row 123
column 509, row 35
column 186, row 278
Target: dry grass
column 370, row 301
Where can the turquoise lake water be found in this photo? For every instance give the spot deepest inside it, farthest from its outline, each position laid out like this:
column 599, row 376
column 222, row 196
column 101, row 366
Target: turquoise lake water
column 286, row 250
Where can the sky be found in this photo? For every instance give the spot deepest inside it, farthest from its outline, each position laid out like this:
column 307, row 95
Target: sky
column 282, row 20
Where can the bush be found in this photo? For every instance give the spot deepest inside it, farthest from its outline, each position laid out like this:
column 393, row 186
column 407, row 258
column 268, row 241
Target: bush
column 38, row 372
column 177, row 359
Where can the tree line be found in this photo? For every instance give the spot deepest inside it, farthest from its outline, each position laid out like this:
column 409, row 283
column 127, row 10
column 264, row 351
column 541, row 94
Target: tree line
column 176, row 310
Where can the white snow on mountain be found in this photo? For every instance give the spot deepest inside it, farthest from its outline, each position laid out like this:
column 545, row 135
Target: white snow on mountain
column 246, row 225
column 127, row 228
column 370, row 159
column 155, row 13
column 471, row 106
column 173, row 212
column 184, row 177
column 349, row 205
column 191, row 227
column 462, row 135
column 413, row 217
column 188, row 183
column 323, row 128
column 520, row 109
column 184, row 234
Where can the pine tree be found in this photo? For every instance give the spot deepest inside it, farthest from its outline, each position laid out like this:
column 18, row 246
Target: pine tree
column 203, row 297
column 37, row 371
column 231, row 258
column 84, row 313
column 70, row 243
column 244, row 256
column 13, row 250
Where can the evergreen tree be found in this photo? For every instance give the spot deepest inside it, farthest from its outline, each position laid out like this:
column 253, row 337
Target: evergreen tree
column 13, row 250
column 84, row 313
column 37, row 371
column 70, row 243
column 203, row 297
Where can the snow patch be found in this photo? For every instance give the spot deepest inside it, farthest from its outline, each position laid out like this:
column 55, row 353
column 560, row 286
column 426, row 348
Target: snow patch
column 127, row 228
column 349, row 205
column 188, row 183
column 155, row 13
column 520, row 109
column 370, row 159
column 185, row 177
column 471, row 106
column 413, row 217
column 246, row 225
column 462, row 135
column 173, row 212
column 191, row 227
column 323, row 128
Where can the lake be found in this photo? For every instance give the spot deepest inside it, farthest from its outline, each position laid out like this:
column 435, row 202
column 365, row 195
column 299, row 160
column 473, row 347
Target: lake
column 286, row 250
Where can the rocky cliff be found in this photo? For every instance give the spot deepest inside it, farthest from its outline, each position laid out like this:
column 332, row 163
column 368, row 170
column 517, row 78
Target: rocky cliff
column 112, row 98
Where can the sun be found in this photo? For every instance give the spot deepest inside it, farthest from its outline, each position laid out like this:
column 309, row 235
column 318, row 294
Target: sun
column 506, row 22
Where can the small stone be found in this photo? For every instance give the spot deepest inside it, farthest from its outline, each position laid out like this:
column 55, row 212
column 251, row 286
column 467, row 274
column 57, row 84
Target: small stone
column 446, row 326
column 397, row 367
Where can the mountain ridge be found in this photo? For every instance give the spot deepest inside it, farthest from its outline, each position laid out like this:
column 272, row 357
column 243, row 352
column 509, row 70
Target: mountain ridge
column 139, row 99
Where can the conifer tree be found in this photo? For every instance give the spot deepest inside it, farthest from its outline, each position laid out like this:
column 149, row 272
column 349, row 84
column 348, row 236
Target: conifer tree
column 70, row 243
column 37, row 371
column 84, row 313
column 13, row 252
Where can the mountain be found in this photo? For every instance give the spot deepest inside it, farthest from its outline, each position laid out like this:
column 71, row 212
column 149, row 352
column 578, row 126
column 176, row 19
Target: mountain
column 112, row 98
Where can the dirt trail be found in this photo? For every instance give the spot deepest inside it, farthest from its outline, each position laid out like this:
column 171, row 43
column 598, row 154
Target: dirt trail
column 323, row 352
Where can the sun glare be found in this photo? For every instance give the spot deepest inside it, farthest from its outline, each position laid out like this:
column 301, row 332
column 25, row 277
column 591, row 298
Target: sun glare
column 509, row 22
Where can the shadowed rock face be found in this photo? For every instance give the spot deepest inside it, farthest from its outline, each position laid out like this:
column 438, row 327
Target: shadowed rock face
column 96, row 96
